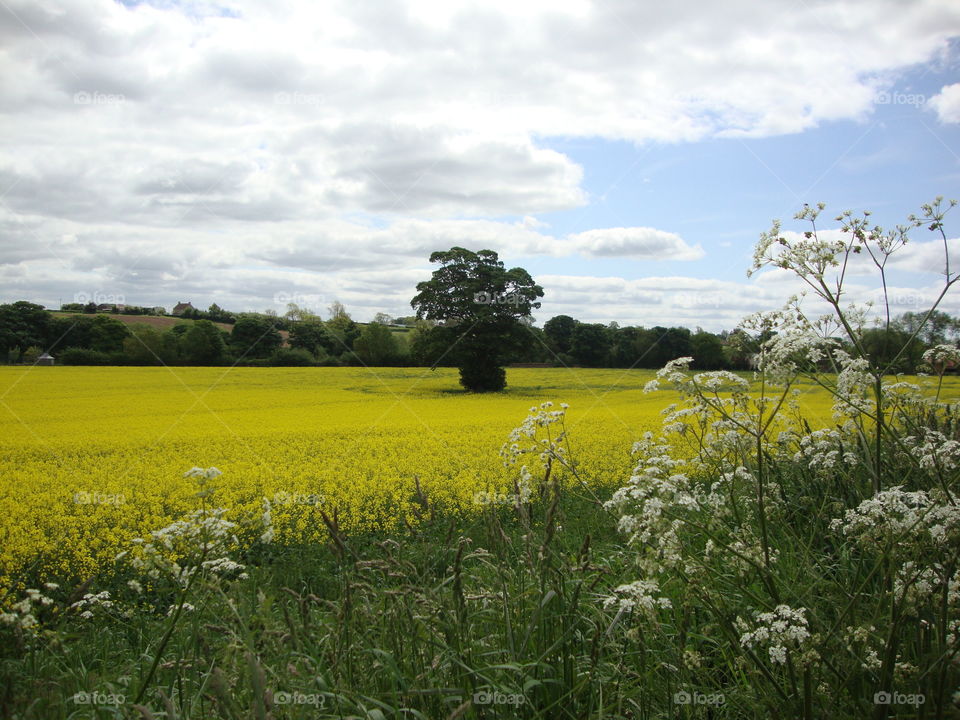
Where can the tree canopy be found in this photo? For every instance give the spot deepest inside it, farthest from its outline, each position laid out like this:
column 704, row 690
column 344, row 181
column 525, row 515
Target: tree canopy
column 254, row 336
column 376, row 345
column 480, row 306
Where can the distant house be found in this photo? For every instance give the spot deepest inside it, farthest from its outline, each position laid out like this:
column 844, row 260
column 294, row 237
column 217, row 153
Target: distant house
column 105, row 307
column 180, row 308
column 45, row 359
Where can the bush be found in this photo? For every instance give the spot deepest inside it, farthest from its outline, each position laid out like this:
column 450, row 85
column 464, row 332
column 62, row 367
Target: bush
column 329, row 361
column 251, row 362
column 84, row 356
column 31, row 354
column 292, row 357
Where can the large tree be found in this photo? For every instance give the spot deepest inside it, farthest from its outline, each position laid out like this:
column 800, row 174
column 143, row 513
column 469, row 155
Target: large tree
column 202, row 344
column 376, row 345
column 559, row 332
column 623, row 348
column 341, row 328
column 22, row 325
column 100, row 332
column 149, row 346
column 480, row 306
column 107, row 334
column 659, row 345
column 255, row 336
column 707, row 351
column 590, row 344
column 938, row 329
column 311, row 334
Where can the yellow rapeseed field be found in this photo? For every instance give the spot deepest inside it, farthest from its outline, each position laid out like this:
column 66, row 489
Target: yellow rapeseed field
column 92, row 457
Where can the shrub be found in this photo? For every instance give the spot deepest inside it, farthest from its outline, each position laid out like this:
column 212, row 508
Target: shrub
column 31, row 354
column 329, row 361
column 292, row 357
column 84, row 356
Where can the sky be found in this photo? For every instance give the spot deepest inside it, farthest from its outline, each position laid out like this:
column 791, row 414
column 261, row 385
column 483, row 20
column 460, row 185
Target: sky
column 627, row 154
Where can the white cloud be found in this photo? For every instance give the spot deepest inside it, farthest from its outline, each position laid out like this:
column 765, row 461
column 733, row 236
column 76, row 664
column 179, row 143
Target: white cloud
column 946, row 103
column 641, row 243
column 233, row 151
column 928, row 257
column 423, row 108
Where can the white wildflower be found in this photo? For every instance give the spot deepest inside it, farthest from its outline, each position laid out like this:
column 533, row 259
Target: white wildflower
column 780, row 630
column 942, row 357
column 639, row 595
column 90, row 603
column 898, row 514
column 267, row 520
column 208, row 473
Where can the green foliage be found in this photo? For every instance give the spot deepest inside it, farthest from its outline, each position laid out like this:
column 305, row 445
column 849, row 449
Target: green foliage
column 149, row 346
column 342, row 329
column 293, row 357
column 707, row 351
column 31, row 354
column 215, row 313
column 480, row 305
column 377, row 346
column 559, row 332
column 254, row 336
column 86, row 356
column 659, row 345
column 418, row 624
column 107, row 334
column 22, row 325
column 533, row 349
column 741, row 348
column 479, row 375
column 803, row 572
column 429, row 347
column 894, row 351
column 311, row 335
column 933, row 327
column 202, row 344
column 590, row 344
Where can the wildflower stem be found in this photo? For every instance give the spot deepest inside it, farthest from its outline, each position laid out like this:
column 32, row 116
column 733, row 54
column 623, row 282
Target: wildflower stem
column 169, row 632
column 761, row 471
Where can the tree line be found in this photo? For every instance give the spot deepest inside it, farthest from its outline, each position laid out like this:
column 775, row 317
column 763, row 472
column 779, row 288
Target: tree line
column 302, row 338
column 27, row 330
column 473, row 314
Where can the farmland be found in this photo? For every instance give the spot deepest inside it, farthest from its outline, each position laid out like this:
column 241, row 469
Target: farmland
column 394, row 570
column 353, row 437
column 162, row 322
column 94, row 456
